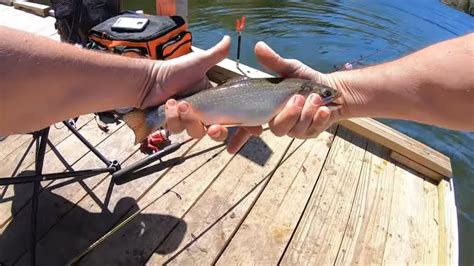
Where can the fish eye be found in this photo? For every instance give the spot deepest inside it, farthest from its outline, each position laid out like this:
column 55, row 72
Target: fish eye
column 327, row 93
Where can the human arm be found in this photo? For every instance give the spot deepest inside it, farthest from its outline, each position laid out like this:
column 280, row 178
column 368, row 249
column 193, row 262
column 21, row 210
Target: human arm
column 43, row 81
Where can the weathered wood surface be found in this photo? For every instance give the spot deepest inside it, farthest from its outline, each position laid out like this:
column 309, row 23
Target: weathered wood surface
column 321, row 229
column 212, row 221
column 263, row 236
column 366, row 229
column 401, row 144
column 19, row 161
column 52, row 205
column 448, row 231
column 340, row 200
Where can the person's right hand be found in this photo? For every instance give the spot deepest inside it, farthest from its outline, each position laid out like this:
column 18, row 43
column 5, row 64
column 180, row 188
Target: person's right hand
column 302, row 117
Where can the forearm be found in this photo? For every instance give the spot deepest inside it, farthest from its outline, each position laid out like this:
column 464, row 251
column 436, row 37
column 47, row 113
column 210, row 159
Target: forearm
column 43, row 81
column 434, row 85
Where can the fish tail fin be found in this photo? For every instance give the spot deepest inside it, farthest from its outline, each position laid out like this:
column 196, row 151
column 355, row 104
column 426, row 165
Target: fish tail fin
column 136, row 121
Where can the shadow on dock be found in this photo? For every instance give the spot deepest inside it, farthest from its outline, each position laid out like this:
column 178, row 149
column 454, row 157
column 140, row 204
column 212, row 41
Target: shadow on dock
column 71, row 235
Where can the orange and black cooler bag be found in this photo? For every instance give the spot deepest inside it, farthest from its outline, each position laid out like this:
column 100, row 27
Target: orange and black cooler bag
column 162, row 38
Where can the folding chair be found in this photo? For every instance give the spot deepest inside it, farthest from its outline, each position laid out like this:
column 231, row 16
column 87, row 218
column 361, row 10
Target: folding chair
column 40, row 138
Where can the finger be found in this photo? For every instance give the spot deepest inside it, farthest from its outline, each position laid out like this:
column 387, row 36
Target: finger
column 309, row 111
column 217, row 132
column 216, row 54
column 286, row 119
column 190, row 121
column 238, row 140
column 173, row 122
column 320, row 122
column 285, row 67
column 271, row 60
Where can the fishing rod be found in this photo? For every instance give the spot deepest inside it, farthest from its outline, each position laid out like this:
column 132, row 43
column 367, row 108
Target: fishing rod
column 119, row 175
column 350, row 64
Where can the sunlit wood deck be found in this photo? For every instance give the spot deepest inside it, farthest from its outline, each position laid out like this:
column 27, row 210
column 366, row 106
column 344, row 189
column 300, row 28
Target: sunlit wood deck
column 338, row 199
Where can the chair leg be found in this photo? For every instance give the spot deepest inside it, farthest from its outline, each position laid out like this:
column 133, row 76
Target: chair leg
column 40, row 153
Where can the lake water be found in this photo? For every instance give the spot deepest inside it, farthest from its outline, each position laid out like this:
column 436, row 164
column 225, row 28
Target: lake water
column 325, row 34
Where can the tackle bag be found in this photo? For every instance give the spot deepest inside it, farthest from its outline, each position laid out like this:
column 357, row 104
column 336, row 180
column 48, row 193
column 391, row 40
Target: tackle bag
column 162, row 38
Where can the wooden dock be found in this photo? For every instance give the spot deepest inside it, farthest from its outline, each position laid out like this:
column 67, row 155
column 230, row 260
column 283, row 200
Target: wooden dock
column 360, row 193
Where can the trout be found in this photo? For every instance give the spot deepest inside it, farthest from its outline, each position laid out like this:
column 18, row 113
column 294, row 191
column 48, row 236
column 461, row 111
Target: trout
column 237, row 102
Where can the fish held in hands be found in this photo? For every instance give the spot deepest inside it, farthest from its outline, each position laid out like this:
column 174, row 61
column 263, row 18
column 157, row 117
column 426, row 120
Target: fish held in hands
column 238, row 102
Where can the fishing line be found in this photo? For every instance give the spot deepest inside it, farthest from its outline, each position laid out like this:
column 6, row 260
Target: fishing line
column 357, row 61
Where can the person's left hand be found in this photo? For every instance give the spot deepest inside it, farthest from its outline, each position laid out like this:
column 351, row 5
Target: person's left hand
column 185, row 75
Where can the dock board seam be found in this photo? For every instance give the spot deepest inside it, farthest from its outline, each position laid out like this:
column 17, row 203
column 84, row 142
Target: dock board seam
column 353, row 202
column 265, row 181
column 308, row 200
column 187, row 211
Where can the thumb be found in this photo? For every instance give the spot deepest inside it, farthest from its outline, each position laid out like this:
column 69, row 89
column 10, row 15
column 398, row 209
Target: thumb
column 285, row 67
column 209, row 58
column 273, row 61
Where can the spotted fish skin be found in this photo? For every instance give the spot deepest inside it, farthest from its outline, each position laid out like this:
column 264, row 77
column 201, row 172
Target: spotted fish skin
column 244, row 102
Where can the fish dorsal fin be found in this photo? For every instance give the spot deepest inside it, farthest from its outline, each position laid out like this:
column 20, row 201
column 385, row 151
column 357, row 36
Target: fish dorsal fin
column 233, row 81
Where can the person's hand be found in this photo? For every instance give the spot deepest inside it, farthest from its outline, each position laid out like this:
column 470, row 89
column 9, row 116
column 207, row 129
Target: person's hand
column 185, row 74
column 301, row 118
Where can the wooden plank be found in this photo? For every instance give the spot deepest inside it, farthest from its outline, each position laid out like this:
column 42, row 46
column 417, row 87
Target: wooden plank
column 319, row 234
column 401, row 144
column 415, row 166
column 364, row 239
column 413, row 226
column 430, row 222
column 133, row 239
column 54, row 203
column 10, row 167
column 33, row 8
column 264, row 234
column 13, row 143
column 217, row 214
column 448, row 229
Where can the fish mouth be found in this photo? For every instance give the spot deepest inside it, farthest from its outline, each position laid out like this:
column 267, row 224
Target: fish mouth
column 332, row 102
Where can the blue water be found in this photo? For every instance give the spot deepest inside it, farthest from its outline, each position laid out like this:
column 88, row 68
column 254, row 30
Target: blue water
column 327, row 34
